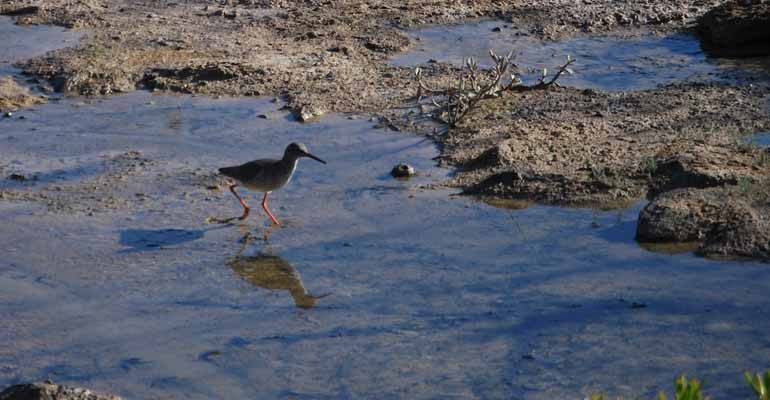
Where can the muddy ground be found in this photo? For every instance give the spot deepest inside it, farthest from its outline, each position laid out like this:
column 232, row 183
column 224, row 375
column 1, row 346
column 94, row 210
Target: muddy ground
column 325, row 56
column 14, row 96
column 563, row 146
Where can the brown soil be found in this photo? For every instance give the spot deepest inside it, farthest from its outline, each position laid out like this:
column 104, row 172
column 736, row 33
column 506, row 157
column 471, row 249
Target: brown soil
column 14, row 96
column 567, row 146
column 324, row 56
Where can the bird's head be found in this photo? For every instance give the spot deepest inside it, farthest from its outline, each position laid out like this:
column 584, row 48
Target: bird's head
column 296, row 150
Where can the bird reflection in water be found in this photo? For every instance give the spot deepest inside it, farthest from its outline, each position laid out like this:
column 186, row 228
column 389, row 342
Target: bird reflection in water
column 274, row 273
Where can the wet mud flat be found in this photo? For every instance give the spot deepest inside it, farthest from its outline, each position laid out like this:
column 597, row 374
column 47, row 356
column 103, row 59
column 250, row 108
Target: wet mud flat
column 14, row 91
column 322, row 57
column 375, row 287
column 627, row 103
column 144, row 299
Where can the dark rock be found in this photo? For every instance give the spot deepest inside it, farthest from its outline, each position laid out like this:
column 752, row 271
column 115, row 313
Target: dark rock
column 737, row 28
column 216, row 71
column 402, row 171
column 21, row 11
column 683, row 215
column 164, row 78
column 384, row 44
column 495, row 156
column 698, row 166
column 308, row 113
column 339, row 49
column 746, row 236
column 50, row 391
column 726, row 223
column 17, row 177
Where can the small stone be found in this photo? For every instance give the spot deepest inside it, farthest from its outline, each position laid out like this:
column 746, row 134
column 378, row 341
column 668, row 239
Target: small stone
column 17, row 177
column 402, row 171
column 306, row 114
column 8, row 114
column 497, row 29
column 263, row 116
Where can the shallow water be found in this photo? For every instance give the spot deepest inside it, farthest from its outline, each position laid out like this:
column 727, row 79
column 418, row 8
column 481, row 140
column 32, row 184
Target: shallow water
column 417, row 294
column 761, row 139
column 16, row 41
column 602, row 62
column 429, row 295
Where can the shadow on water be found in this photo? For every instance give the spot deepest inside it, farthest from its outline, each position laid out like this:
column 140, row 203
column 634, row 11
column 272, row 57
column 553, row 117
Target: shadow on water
column 138, row 240
column 273, row 272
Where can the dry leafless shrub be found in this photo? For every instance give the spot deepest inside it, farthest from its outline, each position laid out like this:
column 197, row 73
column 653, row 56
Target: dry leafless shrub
column 452, row 104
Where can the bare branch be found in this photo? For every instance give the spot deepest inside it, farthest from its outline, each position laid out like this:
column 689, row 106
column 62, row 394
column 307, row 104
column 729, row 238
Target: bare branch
column 452, row 104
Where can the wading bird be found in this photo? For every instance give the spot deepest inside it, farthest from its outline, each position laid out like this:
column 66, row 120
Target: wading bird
column 265, row 175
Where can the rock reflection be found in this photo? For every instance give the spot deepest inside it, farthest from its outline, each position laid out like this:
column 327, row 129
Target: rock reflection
column 275, row 273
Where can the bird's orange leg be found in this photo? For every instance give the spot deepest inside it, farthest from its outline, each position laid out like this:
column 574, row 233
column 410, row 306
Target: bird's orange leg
column 269, row 214
column 243, row 203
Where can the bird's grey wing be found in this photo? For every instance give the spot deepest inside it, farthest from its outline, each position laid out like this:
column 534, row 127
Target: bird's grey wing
column 247, row 171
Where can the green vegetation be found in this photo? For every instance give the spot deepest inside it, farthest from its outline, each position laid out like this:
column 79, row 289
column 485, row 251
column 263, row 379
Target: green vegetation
column 764, row 157
column 648, row 165
column 744, row 184
column 692, row 389
column 685, row 390
column 760, row 384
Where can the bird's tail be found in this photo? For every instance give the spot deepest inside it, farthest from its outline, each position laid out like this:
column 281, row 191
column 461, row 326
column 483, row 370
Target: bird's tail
column 226, row 171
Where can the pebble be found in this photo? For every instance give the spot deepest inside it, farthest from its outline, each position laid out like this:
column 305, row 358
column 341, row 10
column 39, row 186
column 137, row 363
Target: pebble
column 402, row 171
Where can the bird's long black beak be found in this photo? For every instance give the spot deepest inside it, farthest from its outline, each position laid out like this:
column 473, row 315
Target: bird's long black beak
column 315, row 158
